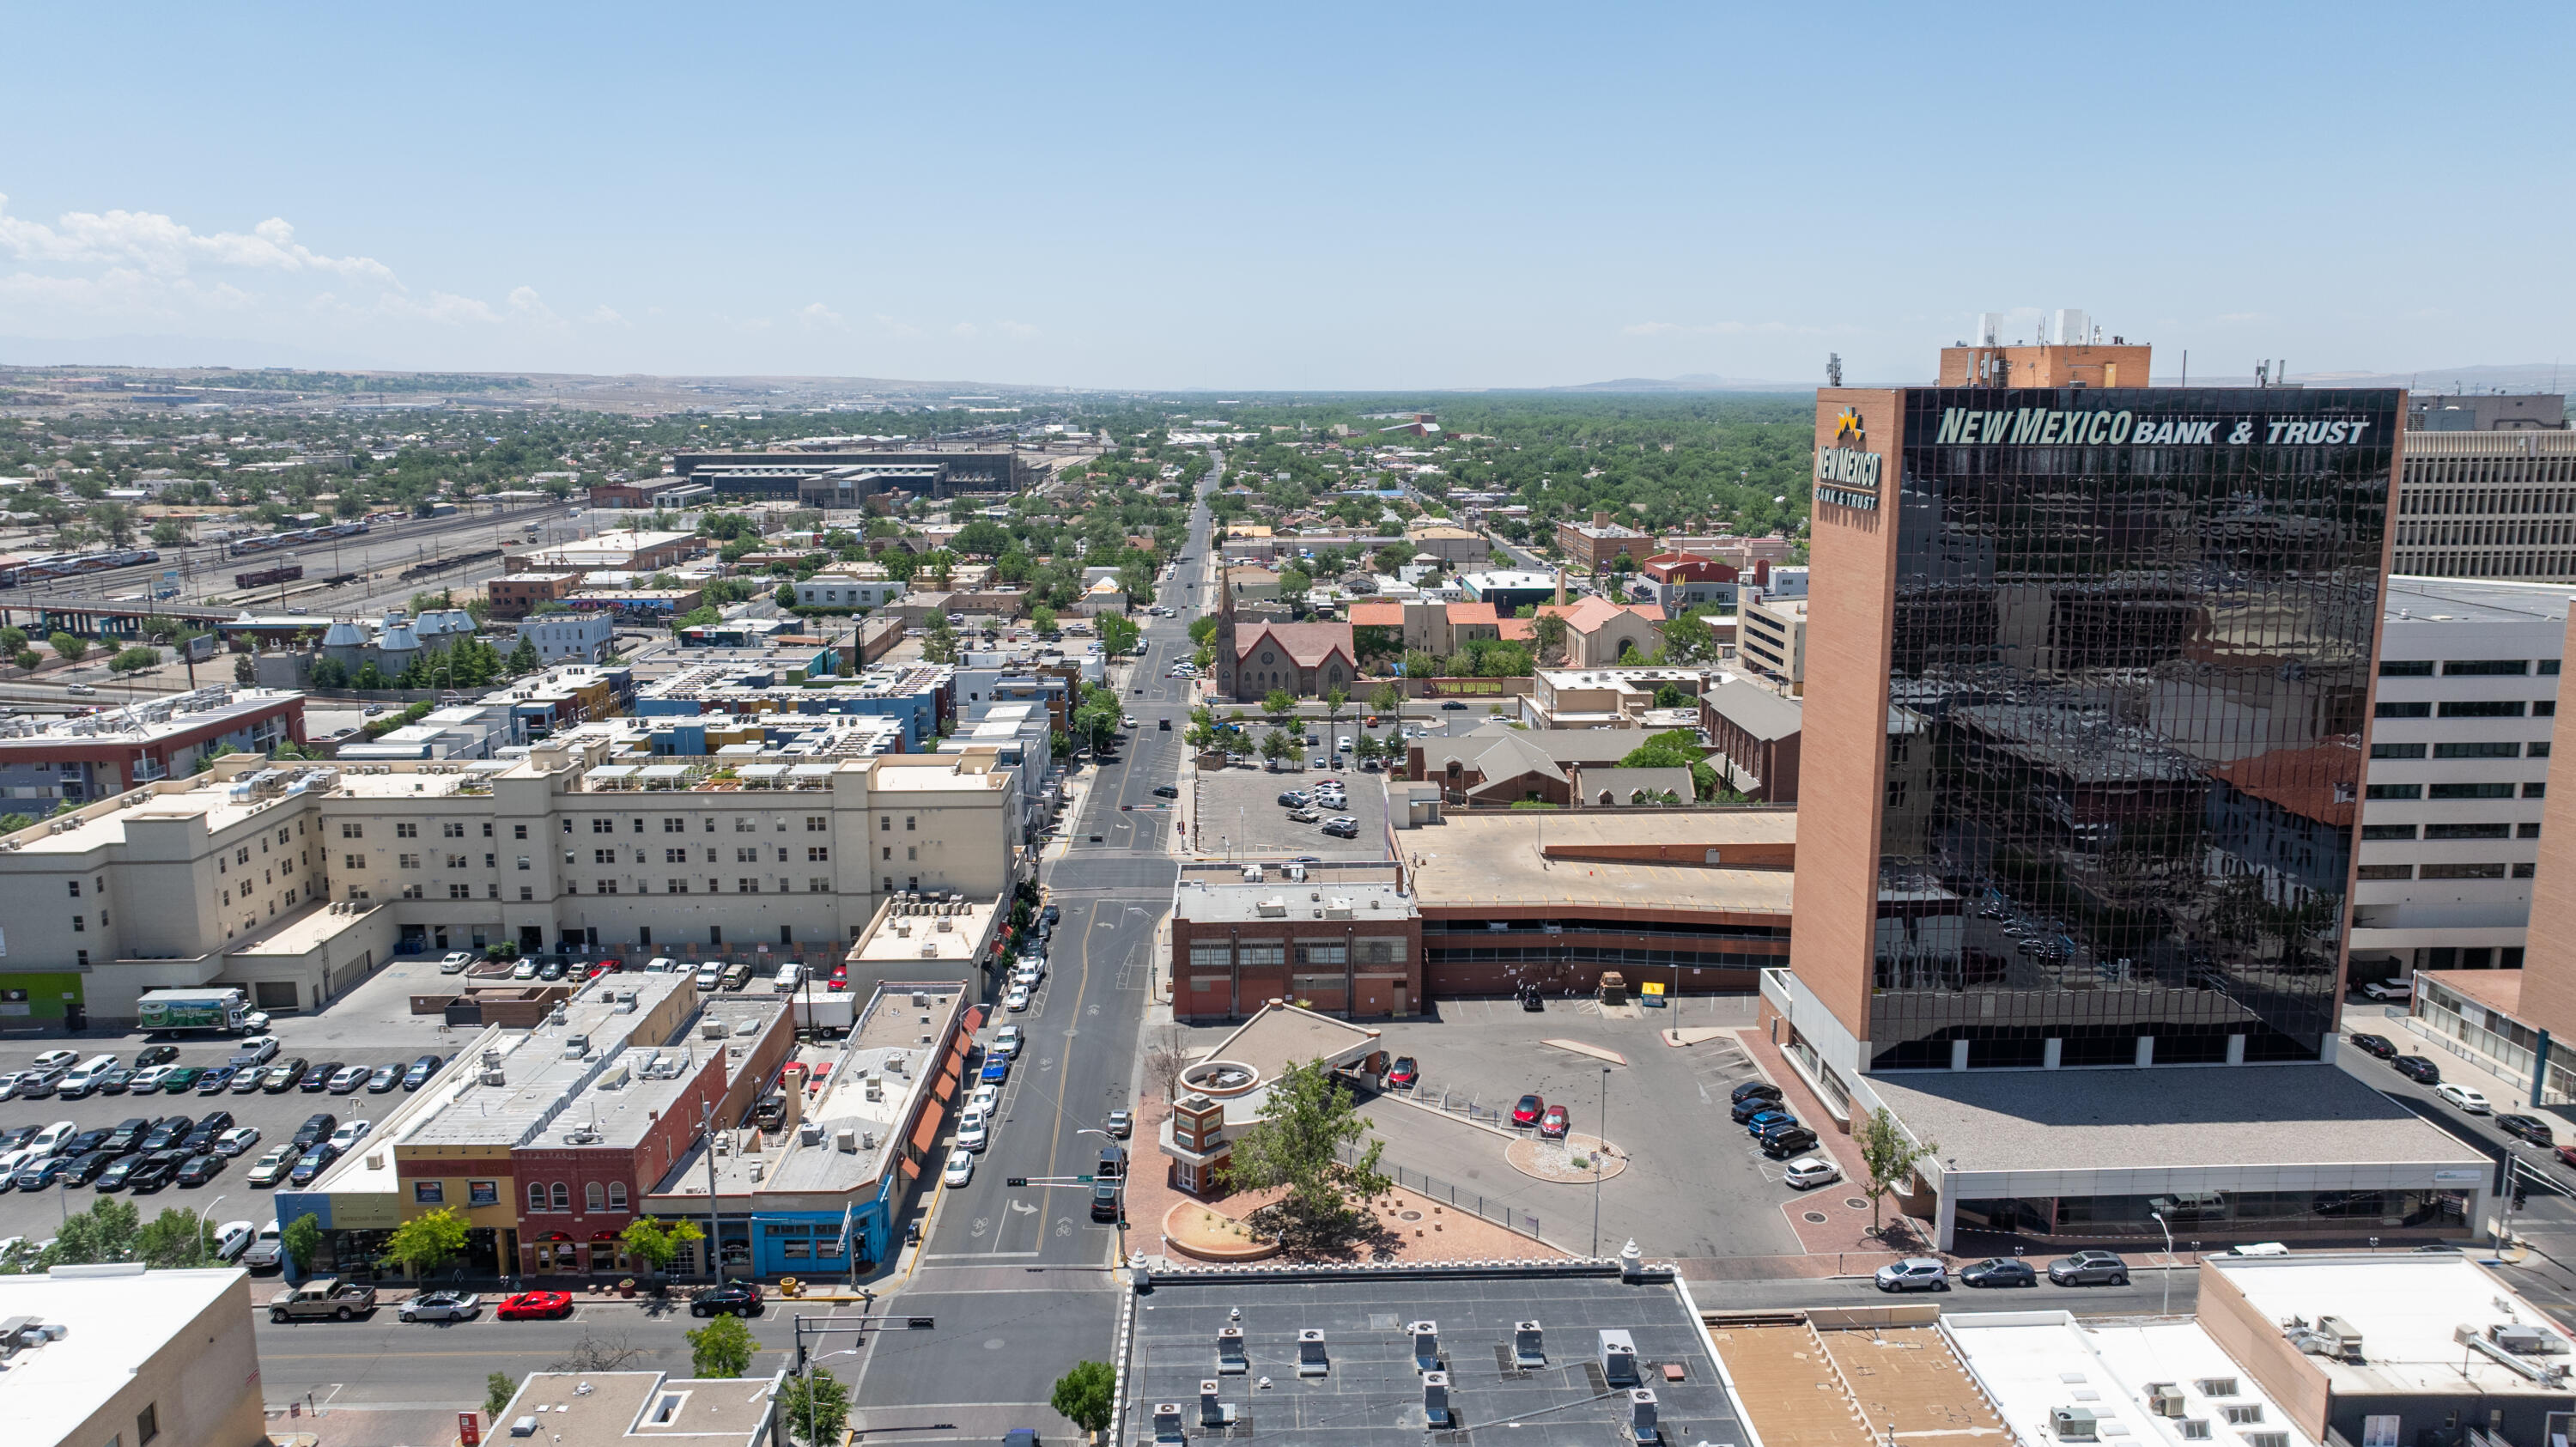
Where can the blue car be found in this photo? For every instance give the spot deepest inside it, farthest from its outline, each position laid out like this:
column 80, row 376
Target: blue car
column 1757, row 1123
column 997, row 1068
column 1777, row 1129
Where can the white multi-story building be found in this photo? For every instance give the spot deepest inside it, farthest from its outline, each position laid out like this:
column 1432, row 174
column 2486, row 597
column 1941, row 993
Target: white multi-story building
column 569, row 637
column 2459, row 760
column 296, row 881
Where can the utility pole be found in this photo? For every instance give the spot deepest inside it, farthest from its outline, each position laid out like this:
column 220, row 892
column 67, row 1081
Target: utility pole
column 715, row 1255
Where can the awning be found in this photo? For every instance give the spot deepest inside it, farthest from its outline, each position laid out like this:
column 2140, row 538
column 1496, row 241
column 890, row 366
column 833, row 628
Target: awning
column 603, row 1237
column 925, row 1134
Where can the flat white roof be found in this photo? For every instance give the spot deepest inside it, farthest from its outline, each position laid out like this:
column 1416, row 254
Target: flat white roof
column 2406, row 1308
column 112, row 1324
column 2033, row 1362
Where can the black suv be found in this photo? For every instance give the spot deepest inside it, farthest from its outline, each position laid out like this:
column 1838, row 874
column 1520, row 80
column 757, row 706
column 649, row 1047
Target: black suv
column 317, row 1129
column 166, row 1132
column 734, row 1298
column 88, row 1168
column 2529, row 1127
column 1752, row 1088
column 2377, row 1045
column 1781, row 1145
column 318, row 1079
column 201, row 1138
column 2418, row 1069
column 156, row 1055
column 127, row 1135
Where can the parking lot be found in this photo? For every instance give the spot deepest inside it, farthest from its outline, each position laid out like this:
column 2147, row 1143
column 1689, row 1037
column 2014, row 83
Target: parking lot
column 1238, row 810
column 38, row 1214
column 1695, row 1185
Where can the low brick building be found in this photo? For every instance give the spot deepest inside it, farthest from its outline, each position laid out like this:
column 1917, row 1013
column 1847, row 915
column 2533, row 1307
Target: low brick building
column 1342, row 939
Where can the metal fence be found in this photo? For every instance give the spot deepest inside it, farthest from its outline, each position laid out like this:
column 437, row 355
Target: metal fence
column 1518, row 1222
column 1460, row 1105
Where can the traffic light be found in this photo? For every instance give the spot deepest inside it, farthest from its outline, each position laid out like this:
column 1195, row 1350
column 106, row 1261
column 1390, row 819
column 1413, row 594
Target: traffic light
column 1015, row 1180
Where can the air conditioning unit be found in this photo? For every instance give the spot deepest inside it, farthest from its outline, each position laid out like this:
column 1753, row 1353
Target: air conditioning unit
column 2165, row 1399
column 2072, row 1424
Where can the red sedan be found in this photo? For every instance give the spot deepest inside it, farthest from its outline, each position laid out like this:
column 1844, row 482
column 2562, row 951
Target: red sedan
column 1528, row 1110
column 840, row 978
column 536, row 1305
column 1552, row 1124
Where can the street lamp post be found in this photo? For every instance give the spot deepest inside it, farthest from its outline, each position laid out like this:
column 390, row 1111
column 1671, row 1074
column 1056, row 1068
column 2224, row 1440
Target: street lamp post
column 200, row 1252
column 2161, row 1223
column 1597, row 1147
column 809, row 1387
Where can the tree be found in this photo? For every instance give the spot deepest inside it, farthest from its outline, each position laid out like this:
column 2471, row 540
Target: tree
column 498, row 1389
column 1890, row 1156
column 13, row 641
column 1386, row 698
column 1675, row 749
column 655, row 1242
column 524, row 659
column 1166, row 1056
column 1335, row 701
column 302, row 1237
column 113, row 519
column 1202, row 628
column 1297, row 1144
column 175, row 1238
column 598, row 1354
column 1278, row 705
column 169, row 533
column 1085, row 1395
column 67, row 647
column 1117, row 635
column 1277, row 746
column 814, row 1407
column 104, row 1232
column 1550, row 628
column 1688, row 639
column 721, row 1348
column 983, row 537
column 1042, row 618
column 941, row 644
column 426, row 1242
column 330, row 673
column 133, row 660
column 245, row 673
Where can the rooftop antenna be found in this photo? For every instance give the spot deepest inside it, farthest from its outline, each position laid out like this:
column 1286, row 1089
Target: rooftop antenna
column 1833, row 369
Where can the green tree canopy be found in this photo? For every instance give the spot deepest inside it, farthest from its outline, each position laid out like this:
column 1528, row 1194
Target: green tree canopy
column 1675, row 749
column 427, row 1242
column 1117, row 635
column 302, row 1238
column 173, row 1239
column 1085, row 1395
column 1297, row 1144
column 656, row 1242
column 721, row 1348
column 814, row 1414
column 68, row 646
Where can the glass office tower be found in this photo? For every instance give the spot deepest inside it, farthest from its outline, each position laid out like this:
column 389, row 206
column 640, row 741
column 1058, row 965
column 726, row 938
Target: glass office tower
column 2129, row 671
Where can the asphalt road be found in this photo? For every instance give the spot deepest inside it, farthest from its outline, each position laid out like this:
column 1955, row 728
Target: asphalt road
column 1018, row 1278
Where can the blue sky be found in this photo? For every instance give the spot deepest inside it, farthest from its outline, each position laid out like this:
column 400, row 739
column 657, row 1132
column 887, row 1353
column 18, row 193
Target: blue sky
column 1306, row 196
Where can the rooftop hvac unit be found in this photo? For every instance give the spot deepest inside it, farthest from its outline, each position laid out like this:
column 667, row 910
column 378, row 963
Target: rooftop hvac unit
column 1312, row 1360
column 2519, row 1338
column 1213, row 1413
column 1641, row 1415
column 712, row 1029
column 809, row 1132
column 1167, row 1424
column 492, row 1076
column 930, row 949
column 1426, row 1345
column 1529, row 1345
column 2165, row 1399
column 1229, row 1351
column 844, row 1140
column 1435, row 1398
column 1619, row 1359
column 2072, row 1424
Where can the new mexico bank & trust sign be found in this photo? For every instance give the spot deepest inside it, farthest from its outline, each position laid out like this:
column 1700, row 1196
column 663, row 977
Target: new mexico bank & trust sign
column 2097, row 426
column 1847, row 476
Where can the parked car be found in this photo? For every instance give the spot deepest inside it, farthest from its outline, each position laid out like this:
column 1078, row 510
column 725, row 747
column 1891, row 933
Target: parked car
column 267, row 1250
column 1914, row 1273
column 1166, row 791
column 2418, row 1069
column 2390, row 989
column 166, row 1132
column 127, row 1134
column 1528, row 1109
column 1789, row 1143
column 182, row 1079
column 384, row 1078
column 974, row 1131
column 150, row 1078
column 734, row 1298
column 455, row 962
column 88, row 1166
column 311, row 1164
column 199, row 1169
column 115, row 1080
column 114, row 1177
column 315, row 1128
column 997, row 1069
column 1808, row 1172
column 322, row 1296
column 524, row 970
column 2376, row 1045
column 347, row 1080
column 1120, row 1124
column 1999, row 1271
column 2527, row 1127
column 156, row 1055
column 1017, row 1000
column 237, row 1141
column 961, row 1167
column 257, row 1050
column 2465, row 1098
column 1404, row 1074
column 1006, row 1041
column 247, row 1080
column 2090, row 1268
column 1768, row 1115
column 1751, row 1088
column 1552, row 1125
column 442, row 1306
column 156, row 1171
column 535, row 1306
column 1753, row 1105
column 346, row 1138
column 419, row 1072
column 282, row 1076
column 233, row 1238
column 319, row 1077
column 216, row 1079
column 57, row 1059
column 272, row 1168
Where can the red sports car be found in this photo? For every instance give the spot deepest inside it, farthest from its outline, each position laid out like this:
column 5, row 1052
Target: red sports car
column 1529, row 1110
column 536, row 1305
column 1552, row 1124
column 1404, row 1073
column 840, row 978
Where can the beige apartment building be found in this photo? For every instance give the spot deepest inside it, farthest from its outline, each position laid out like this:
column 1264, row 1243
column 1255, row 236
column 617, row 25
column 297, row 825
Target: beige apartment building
column 1771, row 640
column 296, row 881
column 130, row 1356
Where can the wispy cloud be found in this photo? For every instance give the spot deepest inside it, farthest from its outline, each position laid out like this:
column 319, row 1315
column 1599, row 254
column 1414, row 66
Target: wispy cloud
column 816, row 317
column 156, row 244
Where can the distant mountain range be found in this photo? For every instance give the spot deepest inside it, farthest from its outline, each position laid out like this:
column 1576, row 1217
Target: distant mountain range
column 2513, row 377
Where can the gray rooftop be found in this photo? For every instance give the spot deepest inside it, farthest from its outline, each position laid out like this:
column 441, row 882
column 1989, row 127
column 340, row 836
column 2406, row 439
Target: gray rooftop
column 1372, row 1395
column 1756, row 710
column 1320, row 897
column 539, row 1078
column 2476, row 600
column 2253, row 1115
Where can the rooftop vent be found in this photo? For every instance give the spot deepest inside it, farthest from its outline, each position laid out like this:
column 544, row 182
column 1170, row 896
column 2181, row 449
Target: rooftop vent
column 1435, row 1398
column 1230, row 1359
column 1426, row 1345
column 1167, row 1423
column 1213, row 1413
column 1311, row 1358
column 1641, row 1415
column 1529, row 1345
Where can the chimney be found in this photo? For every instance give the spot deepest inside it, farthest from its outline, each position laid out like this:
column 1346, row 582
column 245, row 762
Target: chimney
column 1426, row 1345
column 1435, row 1398
column 1229, row 1351
column 1311, row 1360
column 1529, row 1345
column 1601, row 520
column 1560, row 585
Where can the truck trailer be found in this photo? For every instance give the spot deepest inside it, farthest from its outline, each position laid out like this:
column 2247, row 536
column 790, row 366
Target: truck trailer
column 216, row 1010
